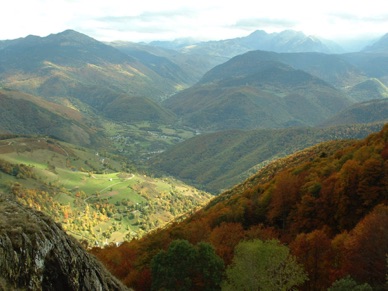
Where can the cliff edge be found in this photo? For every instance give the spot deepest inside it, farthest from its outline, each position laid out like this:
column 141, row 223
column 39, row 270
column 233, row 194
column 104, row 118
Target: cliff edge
column 36, row 254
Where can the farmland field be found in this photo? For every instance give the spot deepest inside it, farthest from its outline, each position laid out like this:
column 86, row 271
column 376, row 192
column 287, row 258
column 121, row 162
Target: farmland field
column 87, row 192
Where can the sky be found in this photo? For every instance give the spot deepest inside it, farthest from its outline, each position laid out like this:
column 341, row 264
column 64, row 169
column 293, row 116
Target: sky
column 148, row 20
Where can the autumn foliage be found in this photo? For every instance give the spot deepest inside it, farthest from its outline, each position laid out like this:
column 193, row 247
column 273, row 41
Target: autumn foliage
column 330, row 208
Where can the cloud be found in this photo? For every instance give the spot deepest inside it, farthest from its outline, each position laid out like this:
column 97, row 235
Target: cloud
column 148, row 20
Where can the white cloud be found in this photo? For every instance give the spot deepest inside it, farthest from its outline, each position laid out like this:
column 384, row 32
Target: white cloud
column 154, row 19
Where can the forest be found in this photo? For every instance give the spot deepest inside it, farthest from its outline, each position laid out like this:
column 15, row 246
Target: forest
column 327, row 208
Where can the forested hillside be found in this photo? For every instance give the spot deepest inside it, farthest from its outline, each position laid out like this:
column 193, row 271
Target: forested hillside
column 218, row 161
column 327, row 205
column 255, row 91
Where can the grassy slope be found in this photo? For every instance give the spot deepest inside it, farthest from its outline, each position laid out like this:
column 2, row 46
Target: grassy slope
column 89, row 194
column 27, row 114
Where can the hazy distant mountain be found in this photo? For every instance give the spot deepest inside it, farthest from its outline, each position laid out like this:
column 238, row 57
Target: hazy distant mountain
column 249, row 92
column 168, row 63
column 176, row 44
column 220, row 51
column 380, row 46
column 364, row 112
column 330, row 68
column 285, row 41
column 373, row 60
column 368, row 90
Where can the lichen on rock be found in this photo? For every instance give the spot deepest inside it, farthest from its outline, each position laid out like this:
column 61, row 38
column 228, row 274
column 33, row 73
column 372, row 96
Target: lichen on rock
column 36, row 254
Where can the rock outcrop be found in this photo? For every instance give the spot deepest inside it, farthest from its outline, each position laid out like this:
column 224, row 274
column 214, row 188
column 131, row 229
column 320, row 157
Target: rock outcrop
column 36, row 254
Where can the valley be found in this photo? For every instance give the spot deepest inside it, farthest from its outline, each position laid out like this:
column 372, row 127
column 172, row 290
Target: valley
column 133, row 147
column 89, row 192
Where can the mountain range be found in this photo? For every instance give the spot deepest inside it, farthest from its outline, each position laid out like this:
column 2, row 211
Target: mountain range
column 78, row 114
column 284, row 41
column 79, row 85
column 249, row 92
column 70, row 67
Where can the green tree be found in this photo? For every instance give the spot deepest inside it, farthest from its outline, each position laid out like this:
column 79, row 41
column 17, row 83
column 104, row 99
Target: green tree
column 263, row 265
column 348, row 283
column 187, row 267
column 210, row 268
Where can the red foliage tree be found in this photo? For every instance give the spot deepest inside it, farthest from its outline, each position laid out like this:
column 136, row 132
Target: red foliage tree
column 225, row 238
column 367, row 247
column 314, row 251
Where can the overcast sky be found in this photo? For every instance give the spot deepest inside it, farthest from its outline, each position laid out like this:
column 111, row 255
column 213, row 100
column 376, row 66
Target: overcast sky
column 147, row 20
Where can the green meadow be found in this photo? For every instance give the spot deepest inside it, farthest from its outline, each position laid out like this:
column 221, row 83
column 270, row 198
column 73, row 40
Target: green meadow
column 90, row 194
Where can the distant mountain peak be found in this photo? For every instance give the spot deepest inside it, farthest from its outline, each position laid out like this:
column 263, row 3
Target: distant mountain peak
column 72, row 36
column 380, row 46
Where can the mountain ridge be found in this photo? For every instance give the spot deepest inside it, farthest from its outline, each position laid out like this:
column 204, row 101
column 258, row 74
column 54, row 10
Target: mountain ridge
column 220, row 160
column 247, row 85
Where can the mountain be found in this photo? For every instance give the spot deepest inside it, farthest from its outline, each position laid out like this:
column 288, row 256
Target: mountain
column 368, row 90
column 373, row 60
column 72, row 65
column 36, row 254
column 331, row 68
column 220, row 160
column 212, row 53
column 380, row 46
column 168, row 63
column 363, row 112
column 31, row 115
column 249, row 92
column 284, row 41
column 136, row 109
column 327, row 204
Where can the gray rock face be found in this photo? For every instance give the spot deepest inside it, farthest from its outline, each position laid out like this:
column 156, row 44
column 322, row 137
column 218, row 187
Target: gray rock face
column 36, row 254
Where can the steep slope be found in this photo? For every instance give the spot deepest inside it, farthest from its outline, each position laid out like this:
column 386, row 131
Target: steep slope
column 364, row 112
column 249, row 92
column 368, row 90
column 217, row 161
column 380, row 46
column 168, row 63
column 329, row 67
column 27, row 114
column 92, row 193
column 70, row 64
column 373, row 60
column 328, row 203
column 36, row 254
column 137, row 109
column 375, row 65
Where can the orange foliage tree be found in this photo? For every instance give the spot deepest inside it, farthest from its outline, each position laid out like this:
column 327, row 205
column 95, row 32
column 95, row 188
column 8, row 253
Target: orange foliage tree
column 313, row 250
